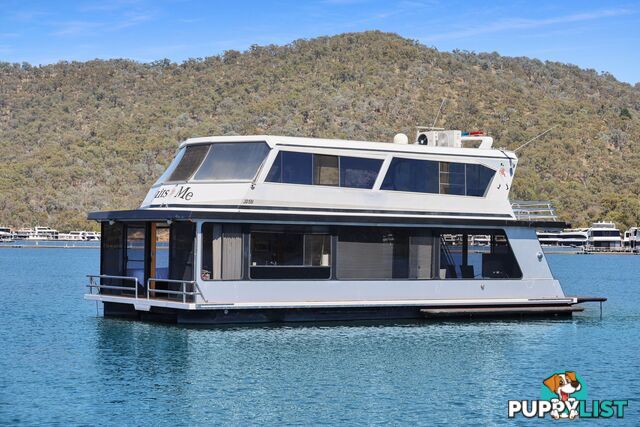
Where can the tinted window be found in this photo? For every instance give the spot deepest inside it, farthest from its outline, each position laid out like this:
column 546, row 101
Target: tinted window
column 370, row 253
column 477, row 256
column 233, row 161
column 478, row 179
column 358, row 173
column 191, row 160
column 412, row 175
column 325, row 170
column 174, row 163
column 452, row 178
column 112, row 255
column 291, row 168
column 290, row 256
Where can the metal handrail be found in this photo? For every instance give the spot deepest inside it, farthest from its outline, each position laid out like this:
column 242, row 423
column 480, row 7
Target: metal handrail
column 92, row 284
column 194, row 292
column 184, row 292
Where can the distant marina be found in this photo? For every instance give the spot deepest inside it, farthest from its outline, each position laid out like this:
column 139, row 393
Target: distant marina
column 601, row 237
column 46, row 237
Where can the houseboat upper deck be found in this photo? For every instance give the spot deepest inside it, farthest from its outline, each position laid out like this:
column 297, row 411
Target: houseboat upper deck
column 270, row 228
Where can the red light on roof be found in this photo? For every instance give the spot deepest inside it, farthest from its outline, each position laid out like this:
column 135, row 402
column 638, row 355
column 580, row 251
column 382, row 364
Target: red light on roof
column 476, row 133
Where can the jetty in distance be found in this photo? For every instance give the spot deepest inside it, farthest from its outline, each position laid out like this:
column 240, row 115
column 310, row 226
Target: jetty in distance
column 46, row 237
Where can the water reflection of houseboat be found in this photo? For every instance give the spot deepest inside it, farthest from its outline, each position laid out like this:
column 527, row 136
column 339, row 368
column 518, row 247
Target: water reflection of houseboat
column 268, row 229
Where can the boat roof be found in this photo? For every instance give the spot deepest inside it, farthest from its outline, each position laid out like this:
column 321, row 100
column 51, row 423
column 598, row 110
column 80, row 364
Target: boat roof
column 411, row 148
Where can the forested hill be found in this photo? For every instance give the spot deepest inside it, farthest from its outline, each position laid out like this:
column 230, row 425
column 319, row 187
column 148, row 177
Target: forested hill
column 77, row 137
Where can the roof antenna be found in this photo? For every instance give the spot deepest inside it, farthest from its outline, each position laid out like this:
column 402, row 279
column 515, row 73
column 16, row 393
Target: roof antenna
column 534, row 138
column 438, row 114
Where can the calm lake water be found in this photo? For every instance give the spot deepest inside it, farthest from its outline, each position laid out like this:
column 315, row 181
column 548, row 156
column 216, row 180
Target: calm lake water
column 61, row 364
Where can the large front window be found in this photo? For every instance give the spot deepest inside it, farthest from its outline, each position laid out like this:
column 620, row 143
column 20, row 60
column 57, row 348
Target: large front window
column 232, row 161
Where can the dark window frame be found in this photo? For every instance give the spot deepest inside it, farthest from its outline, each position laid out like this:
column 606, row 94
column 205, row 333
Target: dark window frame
column 275, row 175
column 466, row 190
column 330, row 268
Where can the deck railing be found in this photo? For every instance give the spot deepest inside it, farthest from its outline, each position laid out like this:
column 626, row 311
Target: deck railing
column 95, row 282
column 195, row 289
column 534, row 210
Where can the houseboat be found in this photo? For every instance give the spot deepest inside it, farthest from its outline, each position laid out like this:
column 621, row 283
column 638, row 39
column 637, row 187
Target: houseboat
column 604, row 236
column 549, row 238
column 37, row 233
column 79, row 236
column 631, row 239
column 243, row 229
column 5, row 234
column 574, row 237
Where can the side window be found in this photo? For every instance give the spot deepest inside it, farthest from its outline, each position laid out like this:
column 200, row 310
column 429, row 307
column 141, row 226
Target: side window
column 452, row 178
column 221, row 252
column 478, row 179
column 325, row 170
column 425, row 176
column 290, row 256
column 467, row 254
column 320, row 169
column 384, row 254
column 357, row 172
column 190, row 162
column 292, row 168
column 412, row 175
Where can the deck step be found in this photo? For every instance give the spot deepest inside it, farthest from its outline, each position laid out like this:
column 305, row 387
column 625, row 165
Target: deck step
column 498, row 311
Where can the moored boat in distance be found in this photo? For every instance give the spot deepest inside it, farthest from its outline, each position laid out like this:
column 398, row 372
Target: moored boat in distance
column 80, row 236
column 631, row 239
column 36, row 233
column 6, row 235
column 274, row 229
column 604, row 236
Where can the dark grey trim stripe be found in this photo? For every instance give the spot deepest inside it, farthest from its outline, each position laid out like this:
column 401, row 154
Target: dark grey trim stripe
column 291, row 218
column 333, row 210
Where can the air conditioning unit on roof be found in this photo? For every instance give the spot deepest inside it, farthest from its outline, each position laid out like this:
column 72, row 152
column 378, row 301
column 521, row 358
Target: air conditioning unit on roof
column 440, row 138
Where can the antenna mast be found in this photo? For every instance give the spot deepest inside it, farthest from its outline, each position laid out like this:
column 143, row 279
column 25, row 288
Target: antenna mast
column 534, row 138
column 438, row 114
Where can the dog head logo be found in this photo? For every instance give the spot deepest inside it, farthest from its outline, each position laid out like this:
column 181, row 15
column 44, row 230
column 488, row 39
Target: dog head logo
column 562, row 386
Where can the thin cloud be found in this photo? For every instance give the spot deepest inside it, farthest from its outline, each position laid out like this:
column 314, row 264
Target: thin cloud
column 522, row 23
column 72, row 28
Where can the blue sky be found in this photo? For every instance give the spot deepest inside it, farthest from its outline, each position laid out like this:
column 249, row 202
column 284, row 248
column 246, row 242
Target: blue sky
column 601, row 35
